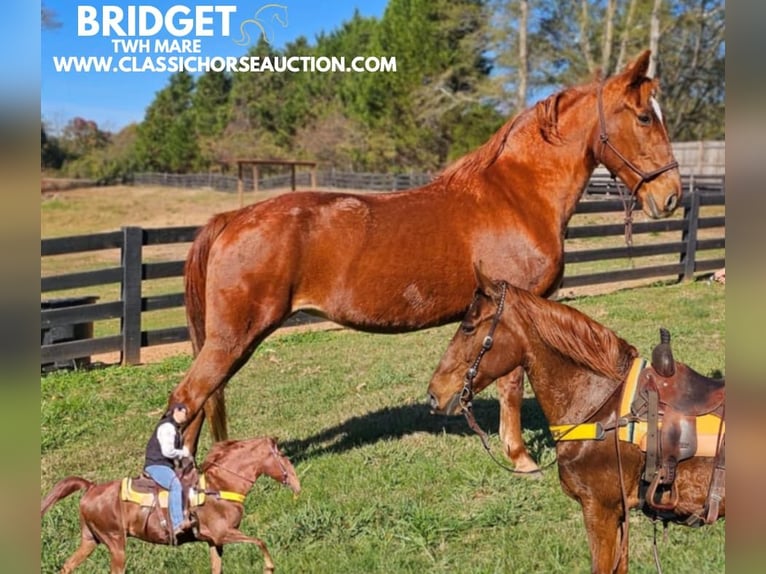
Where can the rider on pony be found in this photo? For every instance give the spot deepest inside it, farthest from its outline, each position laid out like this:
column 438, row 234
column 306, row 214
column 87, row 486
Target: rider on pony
column 164, row 453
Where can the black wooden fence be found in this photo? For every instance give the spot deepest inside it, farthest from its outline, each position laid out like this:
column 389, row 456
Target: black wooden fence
column 601, row 184
column 697, row 245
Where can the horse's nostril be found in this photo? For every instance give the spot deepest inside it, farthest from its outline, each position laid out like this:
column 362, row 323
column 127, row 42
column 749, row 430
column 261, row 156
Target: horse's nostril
column 671, row 202
column 431, row 401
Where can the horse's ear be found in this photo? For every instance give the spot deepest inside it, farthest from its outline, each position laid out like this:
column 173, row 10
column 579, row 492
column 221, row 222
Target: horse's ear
column 636, row 70
column 485, row 283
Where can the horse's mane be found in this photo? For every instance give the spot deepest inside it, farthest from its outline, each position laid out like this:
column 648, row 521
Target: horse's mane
column 222, row 449
column 545, row 113
column 217, row 451
column 483, row 156
column 577, row 336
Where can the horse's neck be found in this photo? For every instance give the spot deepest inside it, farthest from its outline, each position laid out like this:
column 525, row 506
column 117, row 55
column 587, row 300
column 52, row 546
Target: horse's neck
column 555, row 171
column 566, row 391
column 221, row 478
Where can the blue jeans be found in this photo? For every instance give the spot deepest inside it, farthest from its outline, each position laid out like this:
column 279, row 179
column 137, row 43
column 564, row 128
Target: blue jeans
column 166, row 478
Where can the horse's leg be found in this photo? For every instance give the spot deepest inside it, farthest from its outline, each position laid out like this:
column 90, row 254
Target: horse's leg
column 221, row 356
column 510, row 390
column 193, row 430
column 87, row 545
column 216, row 553
column 116, row 546
column 233, row 535
column 604, row 536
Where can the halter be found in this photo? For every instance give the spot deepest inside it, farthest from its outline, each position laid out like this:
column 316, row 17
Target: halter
column 644, row 177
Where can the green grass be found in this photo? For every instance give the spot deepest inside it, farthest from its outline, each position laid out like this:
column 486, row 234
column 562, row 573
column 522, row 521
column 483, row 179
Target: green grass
column 387, row 487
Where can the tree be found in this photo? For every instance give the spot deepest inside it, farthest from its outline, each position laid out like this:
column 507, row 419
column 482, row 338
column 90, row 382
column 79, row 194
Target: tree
column 166, row 138
column 691, row 67
column 509, row 42
column 571, row 42
column 441, row 69
column 81, row 136
column 334, row 140
column 210, row 113
column 51, row 154
column 111, row 163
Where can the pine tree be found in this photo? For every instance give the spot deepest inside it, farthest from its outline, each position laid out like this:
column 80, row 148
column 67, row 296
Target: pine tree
column 166, row 138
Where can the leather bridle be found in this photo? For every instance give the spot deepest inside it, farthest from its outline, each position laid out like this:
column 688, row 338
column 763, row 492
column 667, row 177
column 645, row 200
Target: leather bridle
column 251, row 481
column 466, row 395
column 644, row 176
column 285, row 475
column 629, row 202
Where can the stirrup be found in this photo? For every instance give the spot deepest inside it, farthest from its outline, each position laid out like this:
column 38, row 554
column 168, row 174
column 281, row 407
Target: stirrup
column 652, row 492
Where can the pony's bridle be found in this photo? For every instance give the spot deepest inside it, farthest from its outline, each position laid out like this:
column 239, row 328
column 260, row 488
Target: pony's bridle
column 251, row 481
column 643, row 176
column 285, row 475
column 466, row 395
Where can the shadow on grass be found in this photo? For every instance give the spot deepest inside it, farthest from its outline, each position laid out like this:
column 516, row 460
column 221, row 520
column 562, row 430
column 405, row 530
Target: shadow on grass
column 396, row 422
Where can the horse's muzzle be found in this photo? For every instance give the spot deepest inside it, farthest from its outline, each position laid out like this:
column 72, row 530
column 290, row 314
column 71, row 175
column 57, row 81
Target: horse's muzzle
column 451, row 408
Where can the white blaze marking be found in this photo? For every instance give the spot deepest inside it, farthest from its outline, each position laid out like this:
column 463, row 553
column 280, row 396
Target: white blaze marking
column 656, row 108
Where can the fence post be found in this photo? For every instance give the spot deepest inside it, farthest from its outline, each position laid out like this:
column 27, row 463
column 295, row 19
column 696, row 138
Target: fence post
column 689, row 255
column 132, row 243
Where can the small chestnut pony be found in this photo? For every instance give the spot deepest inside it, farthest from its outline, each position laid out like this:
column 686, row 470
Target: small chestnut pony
column 230, row 470
column 579, row 370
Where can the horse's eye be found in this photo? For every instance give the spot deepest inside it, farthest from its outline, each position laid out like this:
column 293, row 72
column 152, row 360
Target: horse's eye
column 644, row 119
column 467, row 328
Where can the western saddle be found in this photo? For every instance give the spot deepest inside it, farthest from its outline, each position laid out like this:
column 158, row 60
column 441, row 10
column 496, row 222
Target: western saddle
column 671, row 396
column 143, row 490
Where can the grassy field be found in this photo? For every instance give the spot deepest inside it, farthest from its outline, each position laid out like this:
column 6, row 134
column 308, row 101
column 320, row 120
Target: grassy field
column 387, row 487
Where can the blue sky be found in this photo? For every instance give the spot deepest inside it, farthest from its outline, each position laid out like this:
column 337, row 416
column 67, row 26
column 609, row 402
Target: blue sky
column 113, row 100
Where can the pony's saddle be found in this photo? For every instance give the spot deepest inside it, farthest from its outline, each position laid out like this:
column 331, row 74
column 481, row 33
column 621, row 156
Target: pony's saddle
column 144, row 491
column 675, row 400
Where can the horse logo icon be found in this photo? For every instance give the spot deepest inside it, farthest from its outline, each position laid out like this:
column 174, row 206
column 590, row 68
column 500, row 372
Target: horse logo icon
column 264, row 18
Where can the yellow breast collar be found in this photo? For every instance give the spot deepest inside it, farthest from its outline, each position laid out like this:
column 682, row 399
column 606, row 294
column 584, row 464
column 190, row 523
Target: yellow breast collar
column 595, row 431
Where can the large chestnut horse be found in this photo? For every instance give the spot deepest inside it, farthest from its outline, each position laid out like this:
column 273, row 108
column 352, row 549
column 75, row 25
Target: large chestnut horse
column 577, row 368
column 397, row 262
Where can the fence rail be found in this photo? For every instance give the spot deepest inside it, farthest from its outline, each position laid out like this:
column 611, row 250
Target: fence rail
column 601, row 184
column 691, row 253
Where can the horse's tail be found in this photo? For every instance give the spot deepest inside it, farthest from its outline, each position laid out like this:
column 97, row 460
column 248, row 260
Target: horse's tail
column 62, row 489
column 195, row 278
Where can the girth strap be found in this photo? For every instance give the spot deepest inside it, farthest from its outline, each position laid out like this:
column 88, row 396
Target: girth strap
column 717, row 484
column 652, row 435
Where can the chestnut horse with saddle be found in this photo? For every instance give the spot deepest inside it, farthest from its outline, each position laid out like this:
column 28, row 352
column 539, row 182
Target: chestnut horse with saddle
column 397, row 262
column 629, row 433
column 112, row 511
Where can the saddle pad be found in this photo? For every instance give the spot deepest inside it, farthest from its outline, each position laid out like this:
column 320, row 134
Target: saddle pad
column 707, row 434
column 128, row 494
column 635, row 432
